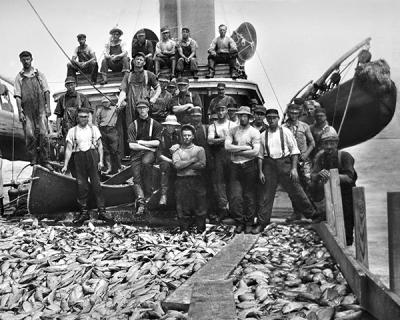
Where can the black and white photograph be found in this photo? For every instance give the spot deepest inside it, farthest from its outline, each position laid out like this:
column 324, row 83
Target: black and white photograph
column 199, row 160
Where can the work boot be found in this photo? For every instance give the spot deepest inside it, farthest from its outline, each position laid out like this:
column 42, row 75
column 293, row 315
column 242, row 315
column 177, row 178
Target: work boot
column 239, row 228
column 195, row 75
column 200, row 224
column 104, row 81
column 163, row 200
column 1, row 206
column 210, row 74
column 82, row 217
column 102, row 214
column 234, row 74
column 257, row 229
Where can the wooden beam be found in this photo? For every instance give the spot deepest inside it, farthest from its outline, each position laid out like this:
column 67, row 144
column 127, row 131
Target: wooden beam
column 360, row 225
column 330, row 215
column 218, row 268
column 372, row 294
column 212, row 300
column 393, row 203
column 337, row 206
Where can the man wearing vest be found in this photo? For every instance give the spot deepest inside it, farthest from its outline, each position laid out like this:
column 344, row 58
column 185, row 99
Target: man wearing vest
column 159, row 109
column 136, row 86
column 115, row 55
column 328, row 158
column 182, row 104
column 84, row 141
column 217, row 133
column 144, row 136
column 220, row 99
column 165, row 52
column 33, row 101
column 141, row 44
column 187, row 54
column 106, row 120
column 243, row 142
column 87, row 62
column 277, row 163
column 191, row 202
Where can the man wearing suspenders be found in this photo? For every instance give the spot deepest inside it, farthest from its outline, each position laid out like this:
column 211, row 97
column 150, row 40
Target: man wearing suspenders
column 84, row 141
column 144, row 136
column 141, row 44
column 277, row 163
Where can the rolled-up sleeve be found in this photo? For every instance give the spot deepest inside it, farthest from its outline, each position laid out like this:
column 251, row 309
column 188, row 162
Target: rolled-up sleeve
column 232, row 45
column 17, row 86
column 261, row 152
column 213, row 46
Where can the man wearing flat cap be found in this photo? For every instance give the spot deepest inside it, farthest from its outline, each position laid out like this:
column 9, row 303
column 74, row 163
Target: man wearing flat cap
column 320, row 127
column 182, row 104
column 277, row 163
column 159, row 109
column 259, row 118
column 165, row 52
column 135, row 86
column 222, row 50
column 141, row 44
column 144, row 135
column 187, row 54
column 115, row 55
column 329, row 158
column 171, row 87
column 32, row 94
column 83, row 60
column 243, row 143
column 221, row 99
column 106, row 121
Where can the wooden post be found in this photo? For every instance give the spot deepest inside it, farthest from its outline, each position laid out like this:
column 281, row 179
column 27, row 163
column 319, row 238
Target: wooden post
column 337, row 206
column 393, row 203
column 330, row 215
column 360, row 225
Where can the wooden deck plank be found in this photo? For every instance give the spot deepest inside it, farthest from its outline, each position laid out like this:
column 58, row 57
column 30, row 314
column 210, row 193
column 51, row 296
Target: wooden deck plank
column 218, row 268
column 212, row 300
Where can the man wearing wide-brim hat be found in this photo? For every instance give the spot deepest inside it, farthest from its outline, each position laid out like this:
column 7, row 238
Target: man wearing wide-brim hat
column 182, row 104
column 165, row 52
column 277, row 164
column 330, row 158
column 83, row 60
column 243, row 143
column 221, row 98
column 115, row 55
column 141, row 44
column 170, row 140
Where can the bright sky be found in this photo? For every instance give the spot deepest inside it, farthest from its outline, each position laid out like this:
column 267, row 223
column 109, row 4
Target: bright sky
column 297, row 39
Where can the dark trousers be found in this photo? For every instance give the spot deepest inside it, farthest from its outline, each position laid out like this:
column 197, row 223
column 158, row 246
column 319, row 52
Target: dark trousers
column 142, row 172
column 167, row 176
column 119, row 65
column 167, row 61
column 348, row 213
column 149, row 64
column 191, row 199
column 191, row 65
column 91, row 68
column 278, row 171
column 222, row 58
column 220, row 176
column 86, row 168
column 36, row 139
column 242, row 192
column 110, row 140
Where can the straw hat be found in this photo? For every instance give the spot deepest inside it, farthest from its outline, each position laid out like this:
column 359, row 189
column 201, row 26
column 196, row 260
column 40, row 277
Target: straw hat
column 171, row 120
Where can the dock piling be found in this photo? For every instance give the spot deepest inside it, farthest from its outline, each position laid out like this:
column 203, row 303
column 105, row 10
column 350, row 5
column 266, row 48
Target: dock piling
column 393, row 204
column 360, row 225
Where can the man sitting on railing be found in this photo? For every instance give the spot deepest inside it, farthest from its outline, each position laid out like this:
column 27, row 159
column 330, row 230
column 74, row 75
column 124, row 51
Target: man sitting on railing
column 328, row 158
column 165, row 52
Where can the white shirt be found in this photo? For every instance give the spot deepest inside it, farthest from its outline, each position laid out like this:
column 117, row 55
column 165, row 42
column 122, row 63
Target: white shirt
column 86, row 138
column 221, row 129
column 275, row 145
column 243, row 137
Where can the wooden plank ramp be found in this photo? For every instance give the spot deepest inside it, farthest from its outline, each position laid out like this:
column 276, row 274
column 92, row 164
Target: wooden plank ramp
column 218, row 268
column 212, row 300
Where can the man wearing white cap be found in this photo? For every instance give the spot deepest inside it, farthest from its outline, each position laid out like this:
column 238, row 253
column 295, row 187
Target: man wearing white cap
column 106, row 120
column 328, row 158
column 165, row 52
column 243, row 143
column 170, row 137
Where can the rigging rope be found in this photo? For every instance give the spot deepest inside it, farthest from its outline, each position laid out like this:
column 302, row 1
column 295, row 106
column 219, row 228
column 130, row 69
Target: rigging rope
column 347, row 107
column 63, row 51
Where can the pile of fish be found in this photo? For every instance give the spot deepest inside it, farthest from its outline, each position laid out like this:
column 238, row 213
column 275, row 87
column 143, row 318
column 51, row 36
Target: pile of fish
column 118, row 272
column 289, row 274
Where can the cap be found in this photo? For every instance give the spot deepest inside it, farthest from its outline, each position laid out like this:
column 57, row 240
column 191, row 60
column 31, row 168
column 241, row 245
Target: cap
column 164, row 29
column 182, row 81
column 221, row 85
column 141, row 32
column 293, row 107
column 260, row 109
column 220, row 105
column 171, row 84
column 196, row 111
column 213, row 116
column 163, row 79
column 320, row 110
column 186, row 28
column 142, row 104
column 298, row 101
column 25, row 54
column 139, row 54
column 253, row 101
column 188, row 127
column 330, row 135
column 171, row 120
column 272, row 111
column 244, row 110
column 232, row 108
column 81, row 35
column 69, row 80
column 116, row 29
column 83, row 110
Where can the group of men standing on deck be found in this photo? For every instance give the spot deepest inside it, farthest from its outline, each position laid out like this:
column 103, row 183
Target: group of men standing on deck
column 234, row 163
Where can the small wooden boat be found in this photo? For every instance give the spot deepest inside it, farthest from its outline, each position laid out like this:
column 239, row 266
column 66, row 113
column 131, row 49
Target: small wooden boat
column 52, row 193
